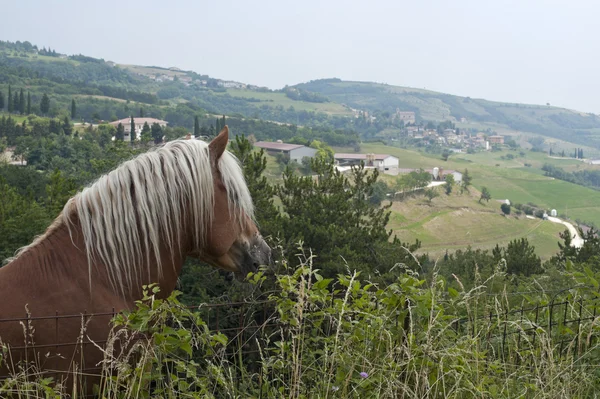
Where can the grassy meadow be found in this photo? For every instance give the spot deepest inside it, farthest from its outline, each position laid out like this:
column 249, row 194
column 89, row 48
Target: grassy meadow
column 273, row 99
column 456, row 221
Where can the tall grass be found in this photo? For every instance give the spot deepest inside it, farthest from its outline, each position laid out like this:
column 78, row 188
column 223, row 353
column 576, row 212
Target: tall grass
column 344, row 338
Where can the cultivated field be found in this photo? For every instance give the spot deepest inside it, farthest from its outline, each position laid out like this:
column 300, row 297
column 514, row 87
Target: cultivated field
column 459, row 220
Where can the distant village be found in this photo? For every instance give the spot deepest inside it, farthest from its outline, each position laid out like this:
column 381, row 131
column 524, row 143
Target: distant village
column 456, row 140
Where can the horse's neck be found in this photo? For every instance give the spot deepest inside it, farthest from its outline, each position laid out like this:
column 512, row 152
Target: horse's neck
column 59, row 258
column 52, row 259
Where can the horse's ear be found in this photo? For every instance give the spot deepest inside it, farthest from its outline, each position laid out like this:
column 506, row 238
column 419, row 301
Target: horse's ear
column 218, row 144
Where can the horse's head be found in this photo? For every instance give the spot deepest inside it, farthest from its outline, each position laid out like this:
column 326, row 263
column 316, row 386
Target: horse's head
column 233, row 241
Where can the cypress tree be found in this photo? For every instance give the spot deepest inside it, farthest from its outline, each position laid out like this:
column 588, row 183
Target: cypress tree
column 10, row 100
column 73, row 109
column 16, row 103
column 141, row 112
column 45, row 104
column 120, row 135
column 196, row 126
column 22, row 102
column 28, row 103
column 67, row 128
column 132, row 135
column 1, row 101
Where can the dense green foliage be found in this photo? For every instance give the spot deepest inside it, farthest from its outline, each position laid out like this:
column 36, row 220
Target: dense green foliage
column 587, row 178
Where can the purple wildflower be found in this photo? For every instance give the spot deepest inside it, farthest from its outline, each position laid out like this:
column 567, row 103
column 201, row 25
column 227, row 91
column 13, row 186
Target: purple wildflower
column 363, row 374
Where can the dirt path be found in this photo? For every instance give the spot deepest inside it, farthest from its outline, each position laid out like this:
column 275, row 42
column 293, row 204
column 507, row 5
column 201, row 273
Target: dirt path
column 576, row 241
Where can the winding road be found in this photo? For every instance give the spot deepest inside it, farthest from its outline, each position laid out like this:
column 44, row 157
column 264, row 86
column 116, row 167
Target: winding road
column 576, row 241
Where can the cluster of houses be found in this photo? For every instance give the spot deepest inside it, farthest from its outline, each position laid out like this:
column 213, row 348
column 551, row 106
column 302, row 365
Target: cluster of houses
column 451, row 137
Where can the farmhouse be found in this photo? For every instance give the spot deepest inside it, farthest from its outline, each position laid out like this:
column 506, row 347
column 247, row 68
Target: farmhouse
column 379, row 161
column 496, row 139
column 295, row 152
column 406, row 116
column 139, row 125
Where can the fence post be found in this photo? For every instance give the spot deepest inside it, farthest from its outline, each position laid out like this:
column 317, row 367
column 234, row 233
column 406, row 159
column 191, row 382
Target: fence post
column 519, row 337
column 504, row 334
column 562, row 341
column 551, row 307
column 56, row 332
column 578, row 326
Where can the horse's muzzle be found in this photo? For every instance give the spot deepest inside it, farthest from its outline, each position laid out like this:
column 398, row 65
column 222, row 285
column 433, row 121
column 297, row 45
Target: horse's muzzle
column 257, row 253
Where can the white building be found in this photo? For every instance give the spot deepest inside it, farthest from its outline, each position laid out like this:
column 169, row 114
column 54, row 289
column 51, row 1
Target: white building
column 295, row 152
column 139, row 125
column 379, row 161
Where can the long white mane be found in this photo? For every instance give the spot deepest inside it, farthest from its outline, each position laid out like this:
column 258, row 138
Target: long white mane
column 129, row 213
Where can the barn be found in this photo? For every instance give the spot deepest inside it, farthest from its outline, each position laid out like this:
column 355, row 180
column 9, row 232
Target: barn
column 295, row 152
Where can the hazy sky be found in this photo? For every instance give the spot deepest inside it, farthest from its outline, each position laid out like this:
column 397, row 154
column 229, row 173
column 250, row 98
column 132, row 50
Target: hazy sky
column 532, row 51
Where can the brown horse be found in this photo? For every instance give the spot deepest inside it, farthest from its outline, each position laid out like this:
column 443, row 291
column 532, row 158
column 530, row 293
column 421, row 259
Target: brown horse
column 132, row 227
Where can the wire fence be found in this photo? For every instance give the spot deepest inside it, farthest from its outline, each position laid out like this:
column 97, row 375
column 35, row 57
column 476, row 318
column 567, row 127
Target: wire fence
column 567, row 327
column 241, row 322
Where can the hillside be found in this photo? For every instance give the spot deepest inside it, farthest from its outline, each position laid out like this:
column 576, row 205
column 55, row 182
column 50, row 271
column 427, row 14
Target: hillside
column 546, row 120
column 102, row 87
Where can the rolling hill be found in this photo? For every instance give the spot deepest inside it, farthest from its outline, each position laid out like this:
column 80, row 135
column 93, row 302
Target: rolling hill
column 326, row 102
column 466, row 112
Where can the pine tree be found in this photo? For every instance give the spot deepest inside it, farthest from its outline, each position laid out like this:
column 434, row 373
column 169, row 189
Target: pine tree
column 73, row 109
column 22, row 102
column 485, row 195
column 132, row 133
column 466, row 181
column 196, row 126
column 45, row 104
column 10, row 100
column 28, row 103
column 120, row 135
column 1, row 101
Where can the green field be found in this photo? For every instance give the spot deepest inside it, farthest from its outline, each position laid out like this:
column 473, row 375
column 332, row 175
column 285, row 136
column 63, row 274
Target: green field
column 510, row 179
column 457, row 221
column 275, row 99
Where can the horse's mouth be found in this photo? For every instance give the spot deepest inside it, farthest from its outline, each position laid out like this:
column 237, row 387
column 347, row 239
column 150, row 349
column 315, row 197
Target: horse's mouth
column 245, row 257
column 254, row 254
